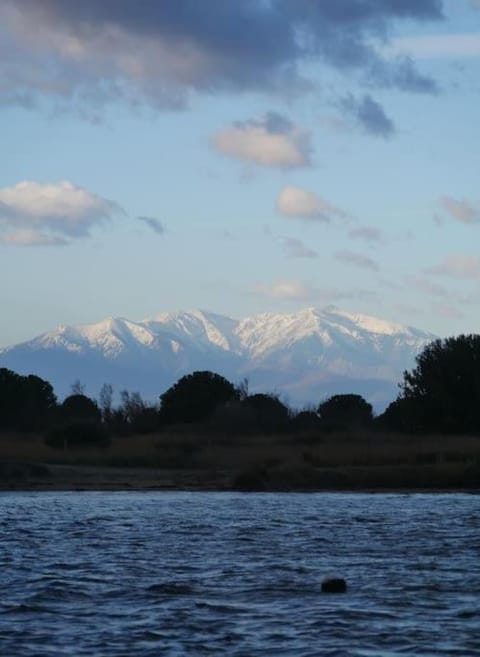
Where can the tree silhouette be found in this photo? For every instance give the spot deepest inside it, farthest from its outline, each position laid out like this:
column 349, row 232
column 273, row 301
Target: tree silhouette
column 136, row 415
column 346, row 411
column 106, row 401
column 269, row 413
column 442, row 393
column 305, row 421
column 195, row 397
column 26, row 402
column 77, row 387
column 80, row 407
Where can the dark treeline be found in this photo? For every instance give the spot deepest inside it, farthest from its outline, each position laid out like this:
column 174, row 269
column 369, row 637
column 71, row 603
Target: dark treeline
column 441, row 394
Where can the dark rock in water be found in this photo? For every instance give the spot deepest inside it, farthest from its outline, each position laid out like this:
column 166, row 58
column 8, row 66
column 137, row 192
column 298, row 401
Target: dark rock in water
column 334, row 585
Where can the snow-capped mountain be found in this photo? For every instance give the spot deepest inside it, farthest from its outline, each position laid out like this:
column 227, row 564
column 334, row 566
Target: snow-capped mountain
column 303, row 356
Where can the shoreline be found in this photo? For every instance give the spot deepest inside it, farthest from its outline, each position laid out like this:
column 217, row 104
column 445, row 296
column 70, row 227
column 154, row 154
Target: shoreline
column 28, row 477
column 353, row 462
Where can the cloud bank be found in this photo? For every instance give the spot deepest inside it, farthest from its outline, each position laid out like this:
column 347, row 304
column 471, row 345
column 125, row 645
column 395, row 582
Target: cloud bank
column 432, row 46
column 159, row 52
column 38, row 214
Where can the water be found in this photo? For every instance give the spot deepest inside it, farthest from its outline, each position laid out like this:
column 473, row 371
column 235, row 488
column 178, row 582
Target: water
column 150, row 574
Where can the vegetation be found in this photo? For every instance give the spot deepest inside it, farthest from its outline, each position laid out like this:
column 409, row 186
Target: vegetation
column 346, row 412
column 79, row 407
column 195, row 397
column 206, row 423
column 330, row 461
column 27, row 403
column 442, row 393
column 78, row 434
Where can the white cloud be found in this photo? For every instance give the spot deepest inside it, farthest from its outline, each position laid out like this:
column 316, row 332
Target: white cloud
column 35, row 213
column 287, row 290
column 432, row 46
column 294, row 290
column 300, row 203
column 273, row 141
column 26, row 237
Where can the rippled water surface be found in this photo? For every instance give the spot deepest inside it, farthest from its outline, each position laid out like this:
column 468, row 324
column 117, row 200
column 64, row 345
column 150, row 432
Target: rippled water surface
column 144, row 574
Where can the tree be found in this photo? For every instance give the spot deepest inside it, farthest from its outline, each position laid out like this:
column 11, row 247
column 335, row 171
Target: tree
column 346, row 412
column 401, row 415
column 442, row 393
column 105, row 401
column 269, row 413
column 77, row 387
column 137, row 415
column 305, row 421
column 195, row 397
column 39, row 403
column 26, row 402
column 80, row 407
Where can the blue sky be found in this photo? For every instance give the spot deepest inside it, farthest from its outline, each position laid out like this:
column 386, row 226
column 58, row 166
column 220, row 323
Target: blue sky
column 239, row 157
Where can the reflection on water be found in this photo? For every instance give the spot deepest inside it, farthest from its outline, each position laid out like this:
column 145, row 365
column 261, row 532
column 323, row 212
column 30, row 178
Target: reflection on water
column 127, row 574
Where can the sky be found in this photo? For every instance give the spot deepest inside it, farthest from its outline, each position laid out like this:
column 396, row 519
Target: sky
column 239, row 157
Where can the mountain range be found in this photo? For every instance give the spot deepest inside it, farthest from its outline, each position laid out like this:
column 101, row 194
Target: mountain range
column 303, row 357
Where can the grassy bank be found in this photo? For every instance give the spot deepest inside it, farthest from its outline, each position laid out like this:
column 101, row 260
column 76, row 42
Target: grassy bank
column 276, row 462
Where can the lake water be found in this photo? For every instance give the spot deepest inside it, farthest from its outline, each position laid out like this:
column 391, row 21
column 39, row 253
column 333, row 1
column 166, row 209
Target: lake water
column 160, row 574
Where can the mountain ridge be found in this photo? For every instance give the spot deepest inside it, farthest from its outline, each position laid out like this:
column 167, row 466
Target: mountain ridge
column 302, row 356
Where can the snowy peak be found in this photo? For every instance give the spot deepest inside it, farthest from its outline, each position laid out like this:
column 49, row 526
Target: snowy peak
column 329, row 327
column 250, row 336
column 304, row 355
column 199, row 326
column 367, row 323
column 267, row 331
column 111, row 336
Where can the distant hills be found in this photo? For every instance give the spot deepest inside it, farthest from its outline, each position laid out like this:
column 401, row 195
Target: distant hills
column 303, row 356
